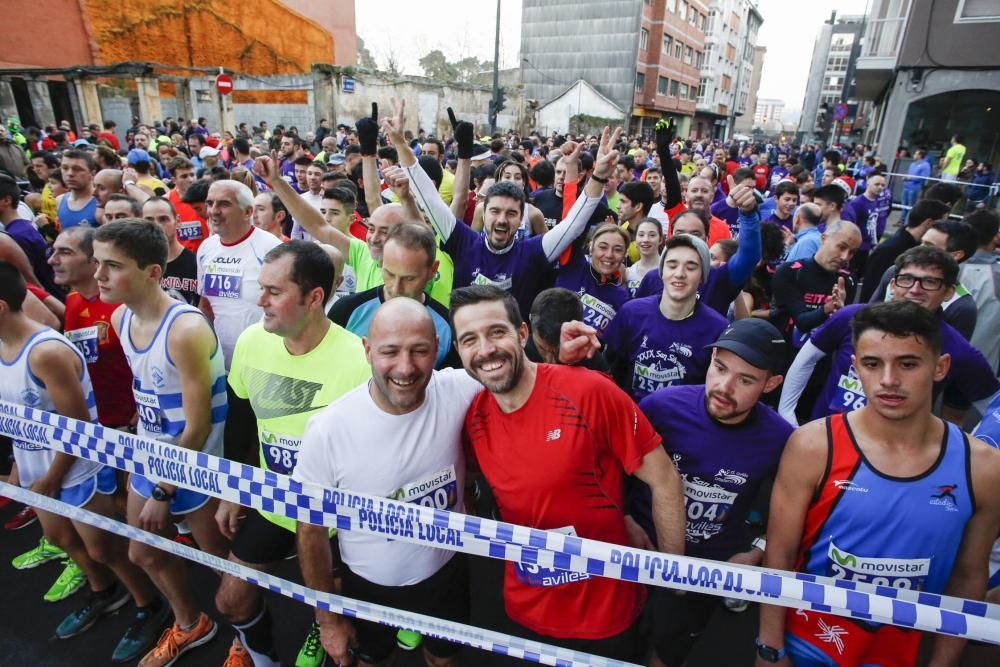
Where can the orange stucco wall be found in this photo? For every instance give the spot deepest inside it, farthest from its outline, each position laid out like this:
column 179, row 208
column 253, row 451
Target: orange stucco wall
column 255, row 36
column 43, row 33
column 337, row 17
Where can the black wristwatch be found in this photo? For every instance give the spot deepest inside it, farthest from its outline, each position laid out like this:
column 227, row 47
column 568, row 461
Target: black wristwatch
column 768, row 653
column 602, row 181
column 162, row 495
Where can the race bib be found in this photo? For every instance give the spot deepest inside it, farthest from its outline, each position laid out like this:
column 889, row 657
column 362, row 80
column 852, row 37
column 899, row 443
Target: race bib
column 504, row 284
column 536, row 575
column 223, row 281
column 650, row 378
column 148, row 406
column 596, row 313
column 849, row 394
column 707, row 507
column 281, row 452
column 190, row 231
column 85, row 340
column 439, row 491
column 895, row 572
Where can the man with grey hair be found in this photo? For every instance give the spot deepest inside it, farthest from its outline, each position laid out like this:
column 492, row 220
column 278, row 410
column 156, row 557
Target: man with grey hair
column 229, row 262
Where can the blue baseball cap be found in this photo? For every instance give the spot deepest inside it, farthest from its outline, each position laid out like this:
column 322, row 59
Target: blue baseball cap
column 137, row 155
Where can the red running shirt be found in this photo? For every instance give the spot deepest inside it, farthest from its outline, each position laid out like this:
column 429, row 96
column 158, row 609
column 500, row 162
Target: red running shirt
column 560, row 462
column 192, row 229
column 88, row 327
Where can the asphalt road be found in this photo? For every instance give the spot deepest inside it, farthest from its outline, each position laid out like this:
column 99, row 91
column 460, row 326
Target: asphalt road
column 27, row 622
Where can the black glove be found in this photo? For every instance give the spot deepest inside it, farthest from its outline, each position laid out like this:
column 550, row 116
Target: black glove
column 665, row 130
column 368, row 132
column 463, row 133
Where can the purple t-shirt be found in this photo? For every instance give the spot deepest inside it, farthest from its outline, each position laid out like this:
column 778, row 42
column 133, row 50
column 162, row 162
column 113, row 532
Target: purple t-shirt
column 775, row 220
column 601, row 298
column 970, row 375
column 777, row 173
column 884, row 202
column 722, row 210
column 662, row 352
column 33, row 244
column 866, row 217
column 722, row 466
column 523, row 270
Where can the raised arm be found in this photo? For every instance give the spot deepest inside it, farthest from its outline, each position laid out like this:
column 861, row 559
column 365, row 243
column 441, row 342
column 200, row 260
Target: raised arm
column 575, row 223
column 664, row 136
column 748, row 252
column 423, row 189
column 368, row 138
column 303, row 212
column 796, row 380
column 462, row 130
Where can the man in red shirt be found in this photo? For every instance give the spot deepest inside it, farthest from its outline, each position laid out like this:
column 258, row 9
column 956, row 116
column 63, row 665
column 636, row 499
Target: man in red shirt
column 555, row 443
column 88, row 326
column 760, row 172
column 109, row 134
column 192, row 228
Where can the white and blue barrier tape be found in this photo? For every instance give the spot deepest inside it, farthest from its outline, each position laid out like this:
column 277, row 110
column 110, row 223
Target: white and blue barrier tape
column 459, row 633
column 346, row 510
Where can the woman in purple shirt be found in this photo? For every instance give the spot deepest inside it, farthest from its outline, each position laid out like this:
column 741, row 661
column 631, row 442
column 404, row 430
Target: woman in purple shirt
column 598, row 278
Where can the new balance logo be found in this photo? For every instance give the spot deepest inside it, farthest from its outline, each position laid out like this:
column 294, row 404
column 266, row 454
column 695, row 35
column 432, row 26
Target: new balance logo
column 554, row 434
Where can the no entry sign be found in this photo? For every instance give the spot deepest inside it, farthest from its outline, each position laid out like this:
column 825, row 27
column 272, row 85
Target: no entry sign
column 224, row 84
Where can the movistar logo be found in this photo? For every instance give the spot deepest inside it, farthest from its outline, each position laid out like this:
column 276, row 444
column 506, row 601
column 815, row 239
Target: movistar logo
column 273, row 395
column 268, row 438
column 848, row 560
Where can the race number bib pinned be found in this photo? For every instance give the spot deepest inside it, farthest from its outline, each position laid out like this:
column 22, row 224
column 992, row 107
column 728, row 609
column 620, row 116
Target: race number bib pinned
column 533, row 574
column 893, row 572
column 281, row 452
column 150, row 414
column 190, row 231
column 439, row 491
column 85, row 340
column 707, row 507
column 223, row 281
column 849, row 394
column 596, row 313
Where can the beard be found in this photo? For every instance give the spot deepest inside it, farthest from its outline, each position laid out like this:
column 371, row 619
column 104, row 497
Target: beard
column 503, row 384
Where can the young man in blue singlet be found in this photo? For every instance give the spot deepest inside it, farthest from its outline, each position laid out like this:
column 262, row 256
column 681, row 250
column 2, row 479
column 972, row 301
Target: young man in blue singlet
column 887, row 494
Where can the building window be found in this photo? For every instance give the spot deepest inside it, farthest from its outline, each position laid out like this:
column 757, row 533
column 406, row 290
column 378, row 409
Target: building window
column 667, row 42
column 977, row 11
column 684, row 91
column 678, row 50
column 672, row 6
column 692, row 16
column 730, row 53
column 688, row 55
column 703, row 23
column 643, row 39
column 694, row 93
column 673, row 88
column 640, row 81
column 661, row 85
column 702, row 84
column 698, row 59
column 682, row 9
column 727, row 82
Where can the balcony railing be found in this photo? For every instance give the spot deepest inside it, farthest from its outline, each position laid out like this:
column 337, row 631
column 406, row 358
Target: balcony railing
column 883, row 37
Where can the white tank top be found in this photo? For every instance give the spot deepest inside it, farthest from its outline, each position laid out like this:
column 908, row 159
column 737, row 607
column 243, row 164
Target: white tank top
column 19, row 385
column 156, row 384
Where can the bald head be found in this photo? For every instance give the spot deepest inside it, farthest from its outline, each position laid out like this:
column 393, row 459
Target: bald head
column 840, row 242
column 338, row 264
column 381, row 220
column 398, row 315
column 106, row 183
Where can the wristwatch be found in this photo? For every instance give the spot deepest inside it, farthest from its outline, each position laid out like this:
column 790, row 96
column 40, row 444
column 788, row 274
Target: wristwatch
column 759, row 543
column 162, row 495
column 768, row 653
column 602, row 181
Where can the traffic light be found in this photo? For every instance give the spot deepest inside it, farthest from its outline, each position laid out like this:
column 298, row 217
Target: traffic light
column 501, row 100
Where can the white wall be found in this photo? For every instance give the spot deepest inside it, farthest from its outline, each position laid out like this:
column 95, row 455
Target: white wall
column 554, row 117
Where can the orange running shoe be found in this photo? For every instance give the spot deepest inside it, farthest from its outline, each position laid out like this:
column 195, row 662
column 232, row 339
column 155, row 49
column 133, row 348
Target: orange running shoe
column 175, row 642
column 238, row 656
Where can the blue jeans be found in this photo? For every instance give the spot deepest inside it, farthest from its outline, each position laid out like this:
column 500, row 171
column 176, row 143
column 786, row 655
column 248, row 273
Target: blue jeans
column 909, row 199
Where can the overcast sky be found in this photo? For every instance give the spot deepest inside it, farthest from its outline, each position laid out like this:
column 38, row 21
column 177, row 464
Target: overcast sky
column 462, row 29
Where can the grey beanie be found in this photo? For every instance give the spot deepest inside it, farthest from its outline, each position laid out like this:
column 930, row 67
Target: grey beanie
column 697, row 244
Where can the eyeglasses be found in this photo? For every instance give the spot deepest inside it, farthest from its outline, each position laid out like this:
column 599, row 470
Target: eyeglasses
column 927, row 283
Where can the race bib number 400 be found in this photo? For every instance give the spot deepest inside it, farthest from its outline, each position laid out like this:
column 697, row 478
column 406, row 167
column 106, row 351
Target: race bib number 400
column 85, row 340
column 223, row 281
column 439, row 491
column 536, row 575
column 895, row 572
column 148, row 407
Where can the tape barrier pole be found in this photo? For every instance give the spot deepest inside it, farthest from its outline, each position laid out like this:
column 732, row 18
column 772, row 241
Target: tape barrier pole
column 460, row 633
column 960, row 184
column 268, row 491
